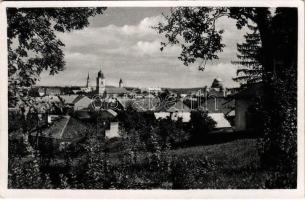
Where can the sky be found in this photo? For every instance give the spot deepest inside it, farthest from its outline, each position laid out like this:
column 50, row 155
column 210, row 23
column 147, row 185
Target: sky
column 123, row 44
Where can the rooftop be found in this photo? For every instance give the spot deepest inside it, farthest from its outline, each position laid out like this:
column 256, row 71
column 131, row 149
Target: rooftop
column 65, row 128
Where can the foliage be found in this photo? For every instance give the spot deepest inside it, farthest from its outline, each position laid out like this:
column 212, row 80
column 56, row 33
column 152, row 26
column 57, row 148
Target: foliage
column 33, row 45
column 167, row 131
column 200, row 125
column 280, row 139
column 194, row 29
column 186, row 172
column 249, row 58
column 275, row 62
column 95, row 167
column 25, row 172
column 171, row 132
column 33, row 92
column 155, row 167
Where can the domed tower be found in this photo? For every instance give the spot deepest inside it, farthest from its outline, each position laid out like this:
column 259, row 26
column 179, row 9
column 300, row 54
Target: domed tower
column 217, row 84
column 100, row 83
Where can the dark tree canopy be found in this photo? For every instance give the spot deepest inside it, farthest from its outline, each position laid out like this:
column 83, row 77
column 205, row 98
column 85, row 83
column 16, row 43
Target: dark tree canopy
column 33, row 45
column 249, row 59
column 193, row 28
column 269, row 54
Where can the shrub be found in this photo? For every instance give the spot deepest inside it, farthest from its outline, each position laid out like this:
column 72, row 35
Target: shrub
column 200, row 125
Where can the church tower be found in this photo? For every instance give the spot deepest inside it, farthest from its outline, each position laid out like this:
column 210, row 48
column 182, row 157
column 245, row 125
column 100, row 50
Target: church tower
column 121, row 83
column 100, row 83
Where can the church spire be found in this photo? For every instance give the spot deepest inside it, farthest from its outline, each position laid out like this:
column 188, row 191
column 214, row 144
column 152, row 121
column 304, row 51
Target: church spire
column 88, row 80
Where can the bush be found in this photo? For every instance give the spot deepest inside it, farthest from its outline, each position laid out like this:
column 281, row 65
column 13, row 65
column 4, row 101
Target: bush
column 200, row 125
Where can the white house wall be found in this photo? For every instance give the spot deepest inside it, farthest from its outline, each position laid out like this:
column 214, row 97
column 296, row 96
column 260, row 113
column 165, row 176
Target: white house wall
column 114, row 130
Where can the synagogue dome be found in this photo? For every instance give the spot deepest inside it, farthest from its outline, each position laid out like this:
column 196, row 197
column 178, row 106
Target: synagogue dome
column 217, row 83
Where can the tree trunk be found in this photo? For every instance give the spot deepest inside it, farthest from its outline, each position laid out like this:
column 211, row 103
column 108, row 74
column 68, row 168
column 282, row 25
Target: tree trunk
column 269, row 97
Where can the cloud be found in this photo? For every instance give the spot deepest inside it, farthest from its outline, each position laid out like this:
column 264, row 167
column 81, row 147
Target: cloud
column 127, row 40
column 145, row 27
column 132, row 52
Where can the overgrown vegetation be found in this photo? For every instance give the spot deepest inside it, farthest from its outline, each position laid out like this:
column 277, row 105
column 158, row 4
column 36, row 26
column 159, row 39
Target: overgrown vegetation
column 149, row 153
column 140, row 165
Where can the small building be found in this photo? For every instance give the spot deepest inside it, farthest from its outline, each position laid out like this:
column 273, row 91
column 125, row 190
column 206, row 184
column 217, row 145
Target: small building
column 220, row 119
column 185, row 116
column 67, row 100
column 115, row 91
column 82, row 114
column 81, row 102
column 110, row 127
column 162, row 115
column 53, row 91
column 244, row 100
column 113, row 130
column 175, row 111
column 63, row 131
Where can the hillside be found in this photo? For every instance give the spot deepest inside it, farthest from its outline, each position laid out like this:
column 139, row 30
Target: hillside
column 234, row 164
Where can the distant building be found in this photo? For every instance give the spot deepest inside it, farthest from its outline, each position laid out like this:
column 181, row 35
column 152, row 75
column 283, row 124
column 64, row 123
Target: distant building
column 48, row 90
column 219, row 118
column 212, row 99
column 178, row 106
column 88, row 83
column 221, row 121
column 100, row 83
column 68, row 99
column 88, row 88
column 121, row 84
column 81, row 102
column 115, row 91
column 106, row 91
column 41, row 91
column 75, row 102
column 154, row 90
column 48, row 99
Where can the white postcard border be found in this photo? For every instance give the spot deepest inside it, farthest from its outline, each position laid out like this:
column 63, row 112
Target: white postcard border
column 149, row 194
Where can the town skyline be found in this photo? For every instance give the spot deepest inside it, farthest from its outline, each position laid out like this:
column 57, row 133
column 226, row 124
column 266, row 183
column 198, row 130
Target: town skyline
column 128, row 48
column 92, row 83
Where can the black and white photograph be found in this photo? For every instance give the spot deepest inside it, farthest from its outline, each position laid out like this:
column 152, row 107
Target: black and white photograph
column 144, row 98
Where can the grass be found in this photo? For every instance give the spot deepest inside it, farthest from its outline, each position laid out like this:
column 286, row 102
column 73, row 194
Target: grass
column 230, row 165
column 235, row 154
column 236, row 164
